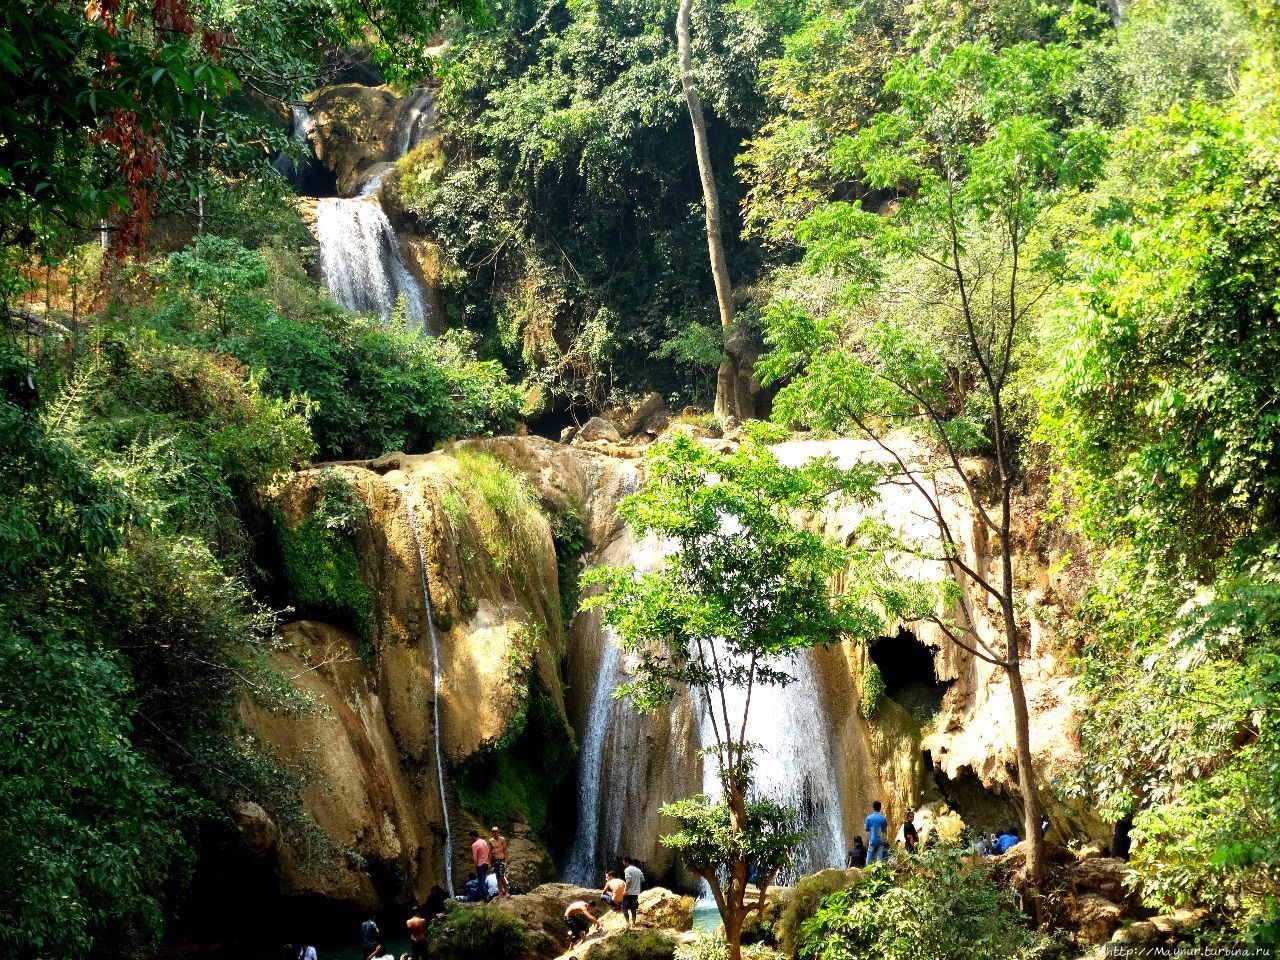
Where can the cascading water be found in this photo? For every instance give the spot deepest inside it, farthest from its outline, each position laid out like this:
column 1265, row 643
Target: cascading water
column 416, row 117
column 795, row 761
column 795, row 764
column 360, row 255
column 435, row 700
column 360, row 258
column 612, row 746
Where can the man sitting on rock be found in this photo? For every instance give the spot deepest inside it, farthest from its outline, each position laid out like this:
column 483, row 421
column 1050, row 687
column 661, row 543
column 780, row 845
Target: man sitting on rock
column 579, row 919
column 615, row 888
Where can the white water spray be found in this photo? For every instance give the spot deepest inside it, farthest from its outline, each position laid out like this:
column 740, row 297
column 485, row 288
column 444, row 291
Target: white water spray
column 360, row 258
column 435, row 700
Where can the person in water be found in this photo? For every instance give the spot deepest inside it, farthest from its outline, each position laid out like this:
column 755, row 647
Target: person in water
column 498, row 847
column 369, row 935
column 578, row 918
column 635, row 881
column 307, row 952
column 877, row 827
column 615, row 890
column 480, row 856
column 417, row 928
column 857, row 854
column 381, row 953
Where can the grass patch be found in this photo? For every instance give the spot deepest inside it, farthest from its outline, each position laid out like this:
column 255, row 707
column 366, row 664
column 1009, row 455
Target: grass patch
column 477, row 933
column 503, row 507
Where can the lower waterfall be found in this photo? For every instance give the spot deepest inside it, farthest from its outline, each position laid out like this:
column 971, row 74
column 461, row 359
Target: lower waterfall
column 361, row 260
column 795, row 764
column 435, row 700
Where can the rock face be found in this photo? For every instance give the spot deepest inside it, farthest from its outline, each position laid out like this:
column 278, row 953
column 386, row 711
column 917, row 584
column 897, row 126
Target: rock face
column 351, row 124
column 494, row 587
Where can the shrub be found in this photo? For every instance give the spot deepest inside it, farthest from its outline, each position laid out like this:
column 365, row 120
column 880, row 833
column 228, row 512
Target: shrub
column 319, row 558
column 806, row 897
column 635, row 945
column 872, row 691
column 940, row 906
column 503, row 506
column 478, row 933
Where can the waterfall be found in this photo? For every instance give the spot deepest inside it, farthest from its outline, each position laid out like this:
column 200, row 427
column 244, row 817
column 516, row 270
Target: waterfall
column 612, row 760
column 435, row 699
column 360, row 258
column 416, row 117
column 795, row 762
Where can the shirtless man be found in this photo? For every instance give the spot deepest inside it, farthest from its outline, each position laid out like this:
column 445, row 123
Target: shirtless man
column 417, row 927
column 498, row 847
column 579, row 919
column 615, row 888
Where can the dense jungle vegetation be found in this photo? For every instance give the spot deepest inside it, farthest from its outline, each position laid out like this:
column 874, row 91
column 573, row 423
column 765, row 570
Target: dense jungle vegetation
column 1110, row 167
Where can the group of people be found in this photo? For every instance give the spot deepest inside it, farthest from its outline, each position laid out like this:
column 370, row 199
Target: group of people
column 371, row 947
column 490, row 859
column 876, row 849
column 620, row 893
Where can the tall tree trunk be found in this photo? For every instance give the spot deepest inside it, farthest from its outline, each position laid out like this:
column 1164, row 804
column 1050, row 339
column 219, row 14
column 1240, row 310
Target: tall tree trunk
column 728, row 392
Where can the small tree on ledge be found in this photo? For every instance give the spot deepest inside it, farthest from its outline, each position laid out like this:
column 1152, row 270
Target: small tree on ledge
column 744, row 585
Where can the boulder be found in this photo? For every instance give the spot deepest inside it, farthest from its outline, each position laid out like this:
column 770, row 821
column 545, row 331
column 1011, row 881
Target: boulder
column 631, row 418
column 598, row 428
column 349, row 130
column 1095, row 918
column 1104, row 876
column 541, row 911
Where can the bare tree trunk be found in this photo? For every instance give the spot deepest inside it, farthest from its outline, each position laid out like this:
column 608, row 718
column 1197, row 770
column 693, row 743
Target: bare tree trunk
column 728, row 401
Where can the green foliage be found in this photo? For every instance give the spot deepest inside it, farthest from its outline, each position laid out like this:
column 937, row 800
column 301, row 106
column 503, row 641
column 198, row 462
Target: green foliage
column 1185, row 51
column 634, row 945
column 941, row 906
column 373, row 387
column 319, row 557
column 126, row 633
column 872, row 691
column 568, row 207
column 502, row 505
column 570, row 539
column 514, row 778
column 806, row 898
column 480, row 932
column 709, row 841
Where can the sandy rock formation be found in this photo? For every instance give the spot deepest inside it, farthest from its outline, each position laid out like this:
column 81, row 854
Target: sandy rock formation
column 375, row 791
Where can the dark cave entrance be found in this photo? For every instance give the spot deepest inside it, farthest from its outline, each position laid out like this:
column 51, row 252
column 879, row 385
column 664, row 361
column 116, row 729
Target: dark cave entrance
column 983, row 809
column 910, row 680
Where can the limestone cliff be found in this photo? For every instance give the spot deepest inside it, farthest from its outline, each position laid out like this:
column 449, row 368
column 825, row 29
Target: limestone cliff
column 942, row 733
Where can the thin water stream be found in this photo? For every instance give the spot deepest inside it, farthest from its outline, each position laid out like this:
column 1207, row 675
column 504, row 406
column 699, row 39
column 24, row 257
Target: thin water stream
column 435, row 700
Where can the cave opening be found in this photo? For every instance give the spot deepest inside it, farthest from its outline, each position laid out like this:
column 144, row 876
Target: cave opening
column 910, row 678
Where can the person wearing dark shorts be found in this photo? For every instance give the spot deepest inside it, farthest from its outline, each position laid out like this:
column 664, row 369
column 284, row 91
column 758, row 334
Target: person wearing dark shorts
column 635, row 880
column 498, row 851
column 578, row 919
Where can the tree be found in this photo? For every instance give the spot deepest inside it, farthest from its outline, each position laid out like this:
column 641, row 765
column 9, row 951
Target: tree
column 744, row 586
column 942, row 288
column 734, row 397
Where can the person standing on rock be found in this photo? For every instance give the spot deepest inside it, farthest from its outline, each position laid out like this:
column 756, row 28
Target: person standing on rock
column 578, row 918
column 634, row 881
column 498, row 847
column 480, row 856
column 910, row 838
column 615, row 891
column 417, row 927
column 877, row 827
